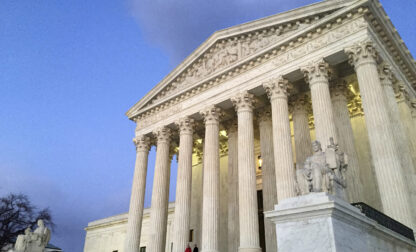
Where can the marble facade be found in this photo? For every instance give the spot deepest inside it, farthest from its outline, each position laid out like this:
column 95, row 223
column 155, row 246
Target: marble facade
column 321, row 222
column 337, row 68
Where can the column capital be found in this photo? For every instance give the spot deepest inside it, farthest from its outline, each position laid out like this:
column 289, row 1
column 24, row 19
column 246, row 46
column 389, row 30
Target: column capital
column 402, row 94
column 173, row 149
column 162, row 134
column 340, row 90
column 413, row 107
column 360, row 53
column 301, row 103
column 142, row 143
column 265, row 114
column 315, row 71
column 198, row 149
column 231, row 126
column 386, row 75
column 243, row 101
column 277, row 88
column 211, row 114
column 186, row 125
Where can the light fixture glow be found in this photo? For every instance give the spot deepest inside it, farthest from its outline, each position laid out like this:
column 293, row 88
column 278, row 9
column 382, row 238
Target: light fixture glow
column 260, row 162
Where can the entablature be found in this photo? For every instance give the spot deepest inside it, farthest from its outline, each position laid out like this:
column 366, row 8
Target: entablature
column 352, row 18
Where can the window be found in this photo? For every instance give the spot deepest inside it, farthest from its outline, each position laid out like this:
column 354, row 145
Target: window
column 142, row 249
column 191, row 235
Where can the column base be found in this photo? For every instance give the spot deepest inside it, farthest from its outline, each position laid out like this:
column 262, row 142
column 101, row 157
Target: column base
column 322, row 222
column 249, row 249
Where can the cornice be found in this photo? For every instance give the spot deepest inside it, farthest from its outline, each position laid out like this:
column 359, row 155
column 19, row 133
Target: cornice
column 358, row 8
column 382, row 25
column 293, row 42
column 291, row 17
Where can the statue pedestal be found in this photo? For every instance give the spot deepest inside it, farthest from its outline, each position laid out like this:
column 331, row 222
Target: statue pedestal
column 322, row 222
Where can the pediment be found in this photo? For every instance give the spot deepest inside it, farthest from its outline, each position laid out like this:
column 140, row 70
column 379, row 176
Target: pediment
column 228, row 47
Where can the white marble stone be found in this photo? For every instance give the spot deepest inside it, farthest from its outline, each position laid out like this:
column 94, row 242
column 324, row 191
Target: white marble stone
column 211, row 181
column 160, row 191
column 247, row 187
column 277, row 91
column 346, row 141
column 268, row 175
column 109, row 234
column 320, row 222
column 301, row 132
column 243, row 58
column 316, row 73
column 233, row 215
column 134, row 225
column 183, row 186
column 35, row 241
column 392, row 183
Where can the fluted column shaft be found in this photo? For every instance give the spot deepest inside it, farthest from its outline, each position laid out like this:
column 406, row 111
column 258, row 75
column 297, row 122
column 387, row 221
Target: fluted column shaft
column 268, row 175
column 211, row 182
column 316, row 74
column 247, row 190
column 405, row 107
column 303, row 142
column 233, row 215
column 134, row 223
column 181, row 219
column 392, row 186
column 346, row 142
column 401, row 140
column 282, row 143
column 160, row 193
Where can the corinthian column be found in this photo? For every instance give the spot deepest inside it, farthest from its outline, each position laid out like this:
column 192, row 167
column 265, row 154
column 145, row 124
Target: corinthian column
column 402, row 141
column 134, row 224
column 316, row 74
column 211, row 183
column 405, row 107
column 346, row 141
column 303, row 142
column 183, row 185
column 277, row 90
column 160, row 193
column 233, row 219
column 268, row 174
column 386, row 159
column 247, row 191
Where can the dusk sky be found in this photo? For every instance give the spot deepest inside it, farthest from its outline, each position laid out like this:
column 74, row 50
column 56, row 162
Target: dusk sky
column 69, row 70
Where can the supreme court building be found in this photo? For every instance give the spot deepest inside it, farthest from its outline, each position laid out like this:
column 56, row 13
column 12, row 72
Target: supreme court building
column 240, row 113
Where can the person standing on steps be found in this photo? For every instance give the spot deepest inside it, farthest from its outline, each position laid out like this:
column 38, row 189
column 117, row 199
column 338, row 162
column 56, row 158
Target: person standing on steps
column 188, row 249
column 196, row 249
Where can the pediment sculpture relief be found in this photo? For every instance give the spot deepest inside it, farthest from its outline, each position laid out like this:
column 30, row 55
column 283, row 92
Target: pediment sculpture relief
column 226, row 52
column 323, row 171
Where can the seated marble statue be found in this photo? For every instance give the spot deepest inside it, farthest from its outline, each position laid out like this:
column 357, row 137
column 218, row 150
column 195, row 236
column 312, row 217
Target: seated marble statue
column 33, row 241
column 22, row 240
column 323, row 171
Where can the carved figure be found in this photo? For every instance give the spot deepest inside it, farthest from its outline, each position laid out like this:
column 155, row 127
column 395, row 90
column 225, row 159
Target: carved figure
column 22, row 240
column 337, row 162
column 323, row 171
column 33, row 242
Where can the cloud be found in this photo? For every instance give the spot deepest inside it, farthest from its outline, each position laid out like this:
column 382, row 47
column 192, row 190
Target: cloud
column 178, row 27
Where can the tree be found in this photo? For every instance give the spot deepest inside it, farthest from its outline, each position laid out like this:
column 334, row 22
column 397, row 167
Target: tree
column 16, row 214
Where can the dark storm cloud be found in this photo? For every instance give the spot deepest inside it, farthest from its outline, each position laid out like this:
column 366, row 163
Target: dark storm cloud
column 178, row 27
